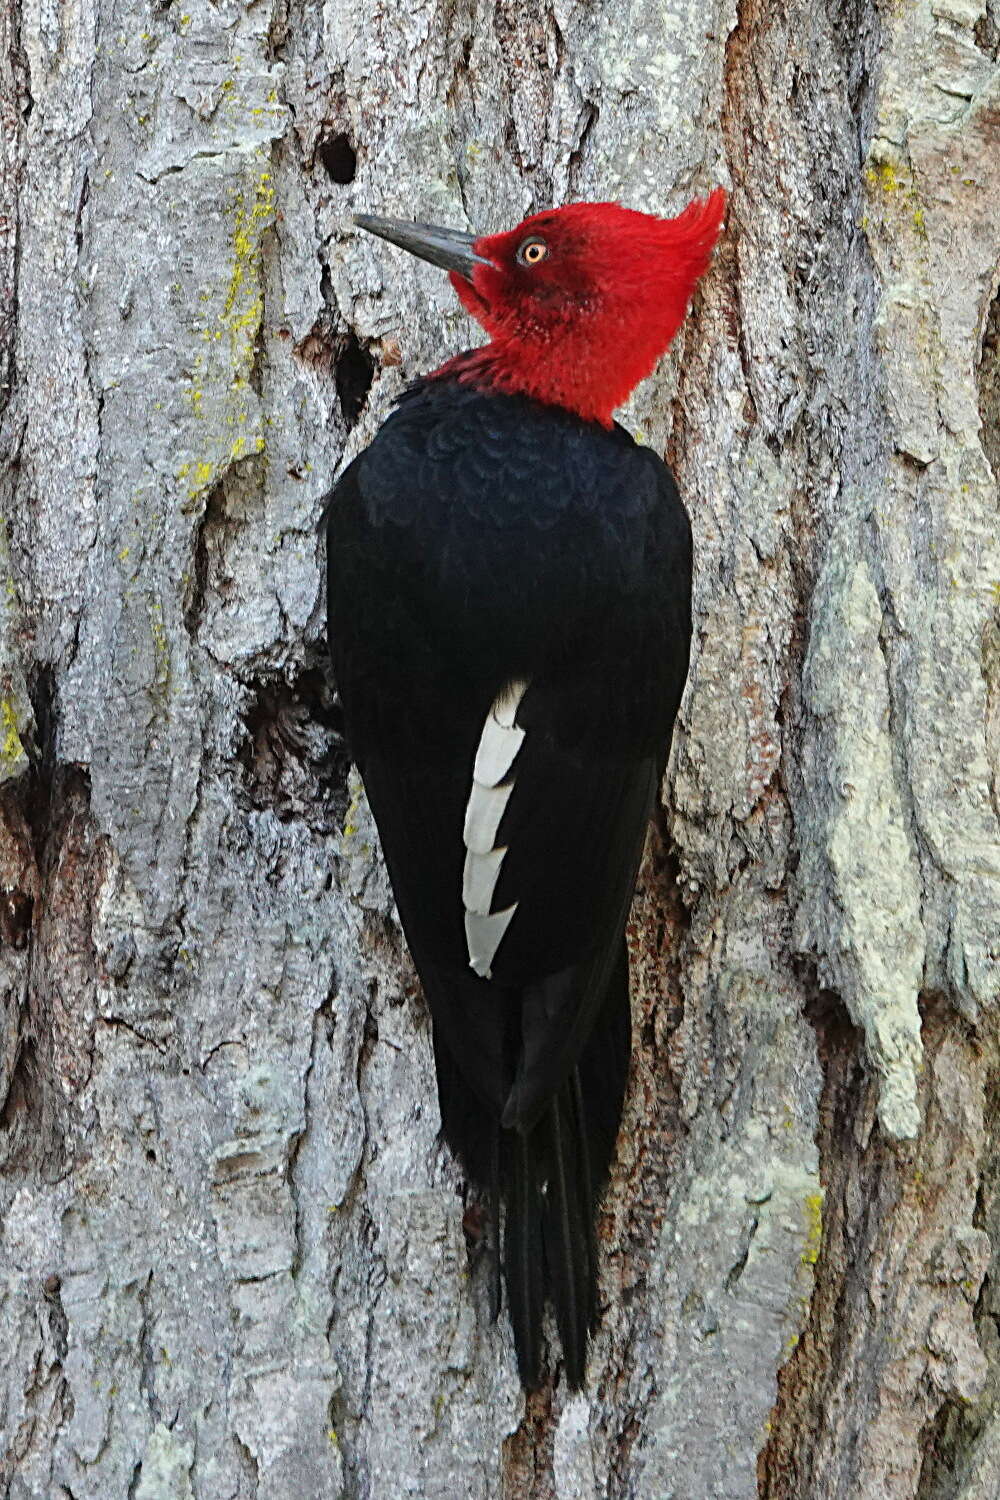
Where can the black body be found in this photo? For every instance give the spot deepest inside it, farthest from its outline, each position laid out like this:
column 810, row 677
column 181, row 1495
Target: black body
column 484, row 539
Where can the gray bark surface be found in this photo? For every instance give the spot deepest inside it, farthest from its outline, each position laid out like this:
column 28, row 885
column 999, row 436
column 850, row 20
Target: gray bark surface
column 235, row 1261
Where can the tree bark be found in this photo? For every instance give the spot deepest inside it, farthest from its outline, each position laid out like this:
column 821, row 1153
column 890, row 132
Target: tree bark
column 235, row 1260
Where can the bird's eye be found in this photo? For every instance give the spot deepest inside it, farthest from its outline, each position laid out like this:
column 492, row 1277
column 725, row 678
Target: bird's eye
column 532, row 252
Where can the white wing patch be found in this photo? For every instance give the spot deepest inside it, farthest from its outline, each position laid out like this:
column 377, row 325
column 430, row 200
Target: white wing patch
column 482, row 936
column 499, row 743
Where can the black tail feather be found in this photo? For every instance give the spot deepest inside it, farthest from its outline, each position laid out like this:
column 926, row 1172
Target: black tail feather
column 524, row 1270
column 566, row 1236
column 549, row 1179
column 587, row 1191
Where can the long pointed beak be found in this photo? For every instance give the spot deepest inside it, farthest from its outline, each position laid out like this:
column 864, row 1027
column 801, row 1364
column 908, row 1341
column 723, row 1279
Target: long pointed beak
column 451, row 249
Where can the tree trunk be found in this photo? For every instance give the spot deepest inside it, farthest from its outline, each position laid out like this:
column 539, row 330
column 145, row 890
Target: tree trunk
column 235, row 1260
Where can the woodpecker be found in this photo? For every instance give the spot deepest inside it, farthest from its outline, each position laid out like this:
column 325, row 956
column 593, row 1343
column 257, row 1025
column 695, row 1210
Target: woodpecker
column 509, row 619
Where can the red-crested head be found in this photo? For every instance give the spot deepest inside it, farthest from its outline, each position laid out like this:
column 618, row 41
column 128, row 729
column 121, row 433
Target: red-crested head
column 580, row 302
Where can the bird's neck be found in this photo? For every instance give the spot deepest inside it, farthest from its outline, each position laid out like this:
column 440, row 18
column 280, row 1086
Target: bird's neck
column 575, row 381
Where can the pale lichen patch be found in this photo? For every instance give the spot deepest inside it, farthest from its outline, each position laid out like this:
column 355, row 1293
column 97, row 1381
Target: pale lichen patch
column 862, row 914
column 166, row 1466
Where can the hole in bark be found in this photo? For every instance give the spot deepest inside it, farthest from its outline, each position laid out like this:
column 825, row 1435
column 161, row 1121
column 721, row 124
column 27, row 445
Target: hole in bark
column 294, row 760
column 353, row 375
column 988, row 379
column 338, row 157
